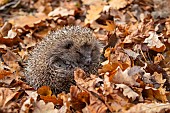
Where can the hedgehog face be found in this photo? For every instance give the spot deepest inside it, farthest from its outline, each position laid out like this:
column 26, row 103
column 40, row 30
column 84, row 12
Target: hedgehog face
column 76, row 53
column 89, row 54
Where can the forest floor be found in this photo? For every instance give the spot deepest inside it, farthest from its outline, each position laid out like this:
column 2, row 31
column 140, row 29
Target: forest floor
column 135, row 72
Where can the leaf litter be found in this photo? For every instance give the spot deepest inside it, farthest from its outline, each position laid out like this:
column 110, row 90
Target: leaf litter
column 134, row 76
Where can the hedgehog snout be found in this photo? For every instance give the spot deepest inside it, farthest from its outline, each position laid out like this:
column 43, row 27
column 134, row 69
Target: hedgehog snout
column 88, row 60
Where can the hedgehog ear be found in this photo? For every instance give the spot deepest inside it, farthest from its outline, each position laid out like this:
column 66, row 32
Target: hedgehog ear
column 68, row 44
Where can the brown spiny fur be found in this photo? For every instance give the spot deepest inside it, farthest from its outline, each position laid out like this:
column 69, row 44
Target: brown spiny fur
column 54, row 59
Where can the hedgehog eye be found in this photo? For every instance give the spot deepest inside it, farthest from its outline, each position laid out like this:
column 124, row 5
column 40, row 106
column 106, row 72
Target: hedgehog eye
column 86, row 45
column 68, row 44
column 79, row 52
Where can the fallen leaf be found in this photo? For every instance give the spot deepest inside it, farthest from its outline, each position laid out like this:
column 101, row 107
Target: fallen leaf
column 5, row 96
column 95, row 106
column 11, row 34
column 89, row 2
column 122, row 77
column 60, row 11
column 154, row 43
column 152, row 93
column 4, row 70
column 158, row 58
column 117, row 102
column 149, row 108
column 5, row 28
column 110, row 25
column 23, row 53
column 158, row 78
column 131, row 53
column 28, row 20
column 127, row 91
column 41, row 107
column 29, row 42
column 11, row 59
column 94, row 12
column 117, row 4
column 44, row 90
column 78, row 99
column 28, row 104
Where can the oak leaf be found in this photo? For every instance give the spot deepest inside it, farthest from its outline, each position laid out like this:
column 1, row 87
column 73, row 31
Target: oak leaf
column 154, row 43
column 149, row 108
column 123, row 77
column 94, row 12
column 60, row 11
column 41, row 107
column 117, row 4
column 127, row 91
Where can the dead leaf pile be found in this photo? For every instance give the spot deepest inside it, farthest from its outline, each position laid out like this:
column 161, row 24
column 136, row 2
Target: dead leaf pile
column 134, row 76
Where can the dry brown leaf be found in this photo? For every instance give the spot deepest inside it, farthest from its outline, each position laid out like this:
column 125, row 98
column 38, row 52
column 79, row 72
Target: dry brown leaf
column 131, row 53
column 5, row 28
column 23, row 53
column 43, row 6
column 118, row 4
column 29, row 42
column 122, row 77
column 42, row 33
column 65, row 102
column 2, row 2
column 10, row 41
column 166, row 61
column 109, row 68
column 147, row 78
column 90, row 2
column 158, row 78
column 60, row 11
column 46, row 94
column 127, row 91
column 11, row 34
column 10, row 58
column 115, row 101
column 28, row 104
column 118, row 102
column 158, row 94
column 86, row 82
column 78, row 99
column 4, row 70
column 41, row 107
column 149, row 108
column 79, row 76
column 3, row 46
column 154, row 43
column 29, row 20
column 108, row 52
column 158, row 58
column 49, row 98
column 108, row 87
column 122, row 60
column 110, row 26
column 95, row 106
column 44, row 90
column 135, row 70
column 5, row 96
column 167, row 24
column 94, row 12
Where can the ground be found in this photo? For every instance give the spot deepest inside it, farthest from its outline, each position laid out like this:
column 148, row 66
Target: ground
column 134, row 76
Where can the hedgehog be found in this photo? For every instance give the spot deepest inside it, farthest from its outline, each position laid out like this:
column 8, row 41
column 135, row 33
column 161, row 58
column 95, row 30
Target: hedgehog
column 53, row 61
